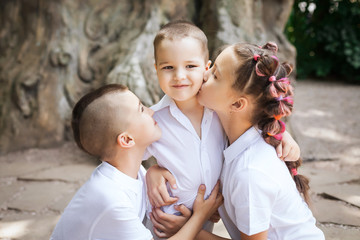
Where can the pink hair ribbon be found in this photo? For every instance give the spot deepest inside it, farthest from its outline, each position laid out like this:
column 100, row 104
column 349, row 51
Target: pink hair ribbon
column 284, row 80
column 283, row 126
column 256, row 57
column 294, row 171
column 274, row 57
column 288, row 99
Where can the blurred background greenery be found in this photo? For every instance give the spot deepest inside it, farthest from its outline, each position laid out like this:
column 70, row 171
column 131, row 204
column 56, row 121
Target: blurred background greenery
column 326, row 34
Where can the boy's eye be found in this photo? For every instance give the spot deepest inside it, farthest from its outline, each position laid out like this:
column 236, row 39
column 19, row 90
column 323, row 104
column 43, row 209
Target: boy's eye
column 167, row 68
column 191, row 66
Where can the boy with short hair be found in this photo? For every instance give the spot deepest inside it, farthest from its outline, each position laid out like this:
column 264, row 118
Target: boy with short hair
column 192, row 143
column 112, row 124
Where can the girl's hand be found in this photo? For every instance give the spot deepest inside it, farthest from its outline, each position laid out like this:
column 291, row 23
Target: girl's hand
column 288, row 150
column 166, row 225
column 206, row 208
column 156, row 178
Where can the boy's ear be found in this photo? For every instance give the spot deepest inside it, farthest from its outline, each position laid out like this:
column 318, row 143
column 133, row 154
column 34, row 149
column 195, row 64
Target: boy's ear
column 125, row 140
column 208, row 65
column 239, row 104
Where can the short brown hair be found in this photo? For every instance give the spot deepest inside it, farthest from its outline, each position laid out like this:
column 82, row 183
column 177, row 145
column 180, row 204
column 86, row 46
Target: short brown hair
column 84, row 102
column 181, row 29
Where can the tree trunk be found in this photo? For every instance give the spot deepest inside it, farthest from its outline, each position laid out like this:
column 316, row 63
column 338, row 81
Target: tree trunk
column 54, row 51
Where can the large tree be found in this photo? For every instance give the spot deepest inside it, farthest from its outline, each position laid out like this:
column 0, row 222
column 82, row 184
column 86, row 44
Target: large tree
column 54, row 51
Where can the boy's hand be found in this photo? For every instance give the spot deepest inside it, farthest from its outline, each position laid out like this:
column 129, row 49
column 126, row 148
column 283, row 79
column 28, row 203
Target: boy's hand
column 288, row 150
column 156, row 178
column 166, row 225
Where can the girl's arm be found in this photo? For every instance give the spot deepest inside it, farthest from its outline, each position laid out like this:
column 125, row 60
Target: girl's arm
column 203, row 209
column 288, row 150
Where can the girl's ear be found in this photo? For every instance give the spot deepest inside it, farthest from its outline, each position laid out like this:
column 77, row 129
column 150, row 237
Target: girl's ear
column 155, row 66
column 208, row 65
column 239, row 104
column 125, row 140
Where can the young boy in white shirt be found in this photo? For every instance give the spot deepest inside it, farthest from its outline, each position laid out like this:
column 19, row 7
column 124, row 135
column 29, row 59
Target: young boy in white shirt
column 112, row 124
column 193, row 139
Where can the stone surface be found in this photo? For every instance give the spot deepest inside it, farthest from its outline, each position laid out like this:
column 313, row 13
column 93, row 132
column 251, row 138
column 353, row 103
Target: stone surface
column 36, row 196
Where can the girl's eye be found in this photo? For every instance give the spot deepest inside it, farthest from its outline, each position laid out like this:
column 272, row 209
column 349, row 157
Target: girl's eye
column 142, row 109
column 213, row 73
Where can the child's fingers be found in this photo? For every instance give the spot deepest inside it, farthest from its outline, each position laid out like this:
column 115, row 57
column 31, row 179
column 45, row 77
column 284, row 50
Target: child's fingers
column 279, row 150
column 166, row 199
column 160, row 234
column 201, row 192
column 156, row 221
column 215, row 191
column 286, row 151
column 171, row 179
column 183, row 210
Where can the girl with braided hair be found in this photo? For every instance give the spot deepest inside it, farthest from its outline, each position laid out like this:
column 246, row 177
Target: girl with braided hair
column 250, row 91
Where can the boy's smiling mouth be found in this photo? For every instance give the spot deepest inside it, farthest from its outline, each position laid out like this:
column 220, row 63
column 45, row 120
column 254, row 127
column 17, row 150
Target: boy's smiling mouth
column 180, row 85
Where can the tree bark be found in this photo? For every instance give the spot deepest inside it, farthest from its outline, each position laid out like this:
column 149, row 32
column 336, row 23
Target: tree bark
column 54, row 51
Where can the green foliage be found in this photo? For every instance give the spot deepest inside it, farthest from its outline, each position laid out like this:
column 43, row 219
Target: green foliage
column 326, row 34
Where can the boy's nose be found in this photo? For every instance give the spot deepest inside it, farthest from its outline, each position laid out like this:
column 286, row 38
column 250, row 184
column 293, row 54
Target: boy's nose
column 180, row 74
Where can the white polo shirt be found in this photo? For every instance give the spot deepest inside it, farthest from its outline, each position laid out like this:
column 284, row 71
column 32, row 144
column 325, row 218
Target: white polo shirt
column 260, row 194
column 191, row 160
column 110, row 205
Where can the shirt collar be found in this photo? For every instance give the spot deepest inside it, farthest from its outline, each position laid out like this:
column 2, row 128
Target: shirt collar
column 164, row 102
column 119, row 177
column 241, row 144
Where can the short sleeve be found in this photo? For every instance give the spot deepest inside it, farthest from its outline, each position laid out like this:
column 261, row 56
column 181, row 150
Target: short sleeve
column 253, row 196
column 120, row 223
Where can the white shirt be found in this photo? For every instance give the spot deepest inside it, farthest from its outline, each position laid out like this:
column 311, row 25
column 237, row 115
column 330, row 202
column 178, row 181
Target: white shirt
column 260, row 194
column 191, row 160
column 110, row 205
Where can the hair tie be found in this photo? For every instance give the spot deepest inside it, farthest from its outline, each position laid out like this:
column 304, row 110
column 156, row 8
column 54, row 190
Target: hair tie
column 274, row 57
column 256, row 57
column 272, row 79
column 277, row 117
column 277, row 136
column 294, row 171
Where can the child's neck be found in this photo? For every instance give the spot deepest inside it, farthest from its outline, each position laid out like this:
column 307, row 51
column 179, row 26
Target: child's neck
column 127, row 161
column 234, row 125
column 193, row 111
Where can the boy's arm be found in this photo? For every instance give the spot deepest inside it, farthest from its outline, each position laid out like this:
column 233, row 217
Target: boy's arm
column 156, row 178
column 288, row 150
